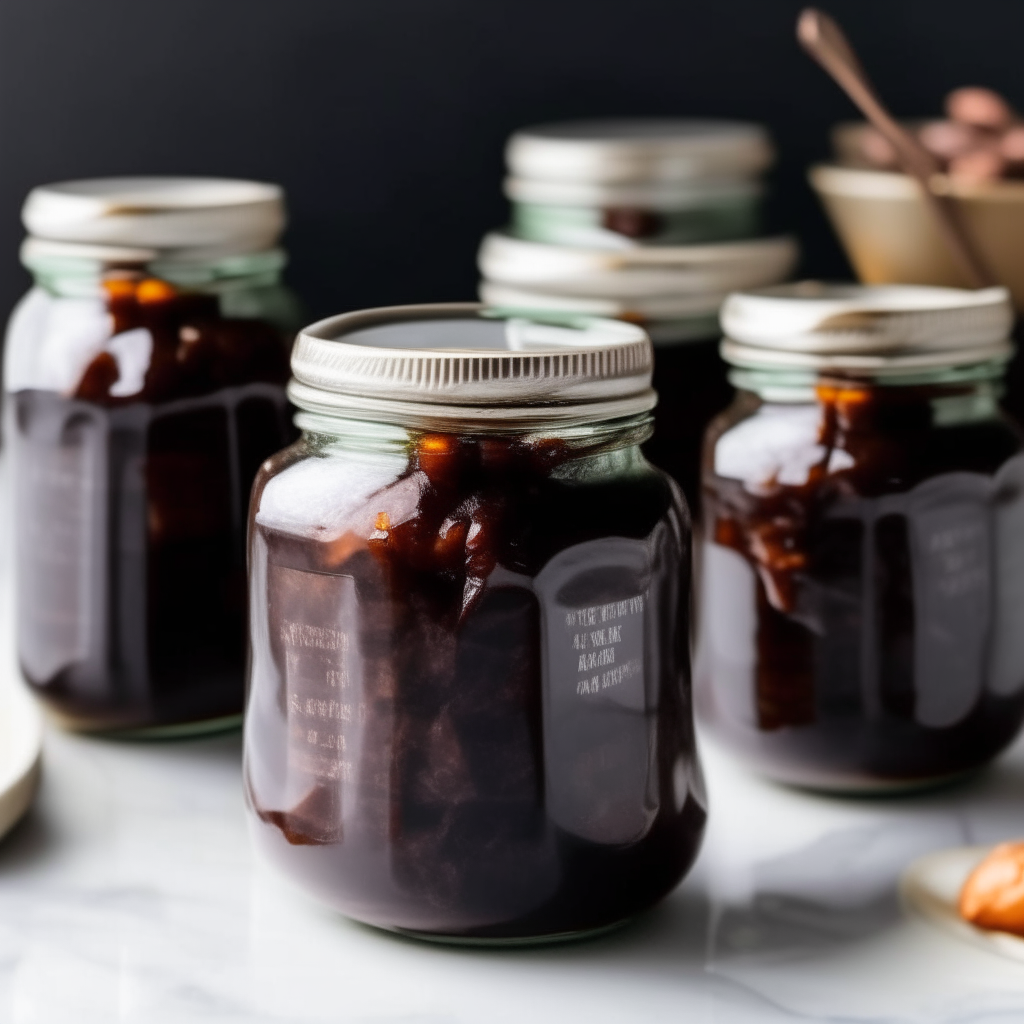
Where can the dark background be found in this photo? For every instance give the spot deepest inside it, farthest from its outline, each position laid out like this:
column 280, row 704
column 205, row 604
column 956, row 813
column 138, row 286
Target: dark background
column 385, row 119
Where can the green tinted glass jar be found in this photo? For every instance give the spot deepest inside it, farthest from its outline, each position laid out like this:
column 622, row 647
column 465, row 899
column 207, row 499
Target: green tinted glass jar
column 469, row 708
column 863, row 571
column 144, row 376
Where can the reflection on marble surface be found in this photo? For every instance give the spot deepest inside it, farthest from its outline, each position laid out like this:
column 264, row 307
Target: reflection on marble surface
column 130, row 894
column 808, row 916
column 833, row 891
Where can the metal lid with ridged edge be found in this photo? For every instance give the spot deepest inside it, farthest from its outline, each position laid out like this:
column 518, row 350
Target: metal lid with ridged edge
column 643, row 149
column 813, row 325
column 147, row 216
column 498, row 369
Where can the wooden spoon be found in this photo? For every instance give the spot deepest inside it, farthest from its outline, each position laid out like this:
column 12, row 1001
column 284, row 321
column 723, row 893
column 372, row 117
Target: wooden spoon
column 823, row 39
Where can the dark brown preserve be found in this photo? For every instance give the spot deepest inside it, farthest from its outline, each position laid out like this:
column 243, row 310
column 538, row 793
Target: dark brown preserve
column 693, row 387
column 469, row 713
column 131, row 513
column 860, row 625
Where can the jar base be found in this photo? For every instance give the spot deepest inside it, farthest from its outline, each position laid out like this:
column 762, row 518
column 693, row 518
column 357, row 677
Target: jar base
column 754, row 755
column 182, row 730
column 880, row 788
column 179, row 730
column 554, row 939
column 860, row 787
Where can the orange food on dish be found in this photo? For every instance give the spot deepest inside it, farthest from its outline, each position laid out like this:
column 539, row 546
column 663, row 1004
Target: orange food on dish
column 993, row 895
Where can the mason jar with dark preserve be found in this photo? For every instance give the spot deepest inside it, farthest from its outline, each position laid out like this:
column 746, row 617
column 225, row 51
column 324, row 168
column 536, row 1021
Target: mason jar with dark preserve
column 145, row 378
column 469, row 713
column 862, row 589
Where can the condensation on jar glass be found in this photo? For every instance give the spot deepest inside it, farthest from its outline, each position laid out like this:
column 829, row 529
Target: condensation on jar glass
column 144, row 375
column 469, row 710
column 863, row 569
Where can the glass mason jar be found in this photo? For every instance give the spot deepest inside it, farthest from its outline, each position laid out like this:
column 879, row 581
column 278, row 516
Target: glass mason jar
column 469, row 710
column 145, row 375
column 863, row 569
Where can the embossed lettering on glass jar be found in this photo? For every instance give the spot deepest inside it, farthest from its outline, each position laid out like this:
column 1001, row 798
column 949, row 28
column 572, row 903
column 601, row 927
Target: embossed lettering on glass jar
column 145, row 376
column 863, row 572
column 469, row 713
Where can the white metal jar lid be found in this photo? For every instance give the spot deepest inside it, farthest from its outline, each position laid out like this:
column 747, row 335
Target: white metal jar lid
column 648, row 271
column 654, row 149
column 893, row 328
column 212, row 215
column 421, row 365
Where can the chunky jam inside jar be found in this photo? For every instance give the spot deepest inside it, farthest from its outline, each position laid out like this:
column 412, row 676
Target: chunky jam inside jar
column 863, row 583
column 632, row 221
column 131, row 500
column 469, row 705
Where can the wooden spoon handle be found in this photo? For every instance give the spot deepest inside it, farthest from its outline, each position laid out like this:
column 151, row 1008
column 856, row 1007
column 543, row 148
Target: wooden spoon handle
column 824, row 40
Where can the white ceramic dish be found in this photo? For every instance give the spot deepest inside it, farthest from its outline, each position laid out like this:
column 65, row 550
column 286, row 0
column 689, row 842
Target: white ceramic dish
column 661, row 307
column 21, row 737
column 636, row 273
column 930, row 887
column 639, row 150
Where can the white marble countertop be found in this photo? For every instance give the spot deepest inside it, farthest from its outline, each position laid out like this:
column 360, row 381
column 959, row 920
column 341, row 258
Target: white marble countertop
column 130, row 893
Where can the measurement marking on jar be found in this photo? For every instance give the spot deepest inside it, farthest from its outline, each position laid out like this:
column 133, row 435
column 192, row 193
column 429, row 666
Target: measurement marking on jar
column 604, row 612
column 596, row 648
column 301, row 634
column 318, row 707
column 320, row 680
column 595, row 659
column 597, row 638
column 621, row 673
column 338, row 678
column 594, row 684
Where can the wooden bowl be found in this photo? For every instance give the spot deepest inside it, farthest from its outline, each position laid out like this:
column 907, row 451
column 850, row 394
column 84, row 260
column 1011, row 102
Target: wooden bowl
column 890, row 237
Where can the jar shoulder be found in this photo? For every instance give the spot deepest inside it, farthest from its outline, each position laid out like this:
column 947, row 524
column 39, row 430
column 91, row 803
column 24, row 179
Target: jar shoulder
column 315, row 495
column 145, row 340
column 766, row 446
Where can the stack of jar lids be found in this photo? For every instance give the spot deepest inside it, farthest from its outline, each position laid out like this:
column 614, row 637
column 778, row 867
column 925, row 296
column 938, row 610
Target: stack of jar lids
column 649, row 220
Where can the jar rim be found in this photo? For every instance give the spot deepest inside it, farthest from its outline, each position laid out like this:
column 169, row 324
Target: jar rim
column 160, row 214
column 866, row 364
column 493, row 367
column 875, row 328
column 55, row 259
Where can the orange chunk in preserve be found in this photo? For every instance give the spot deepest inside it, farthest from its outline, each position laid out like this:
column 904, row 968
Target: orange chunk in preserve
column 153, row 290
